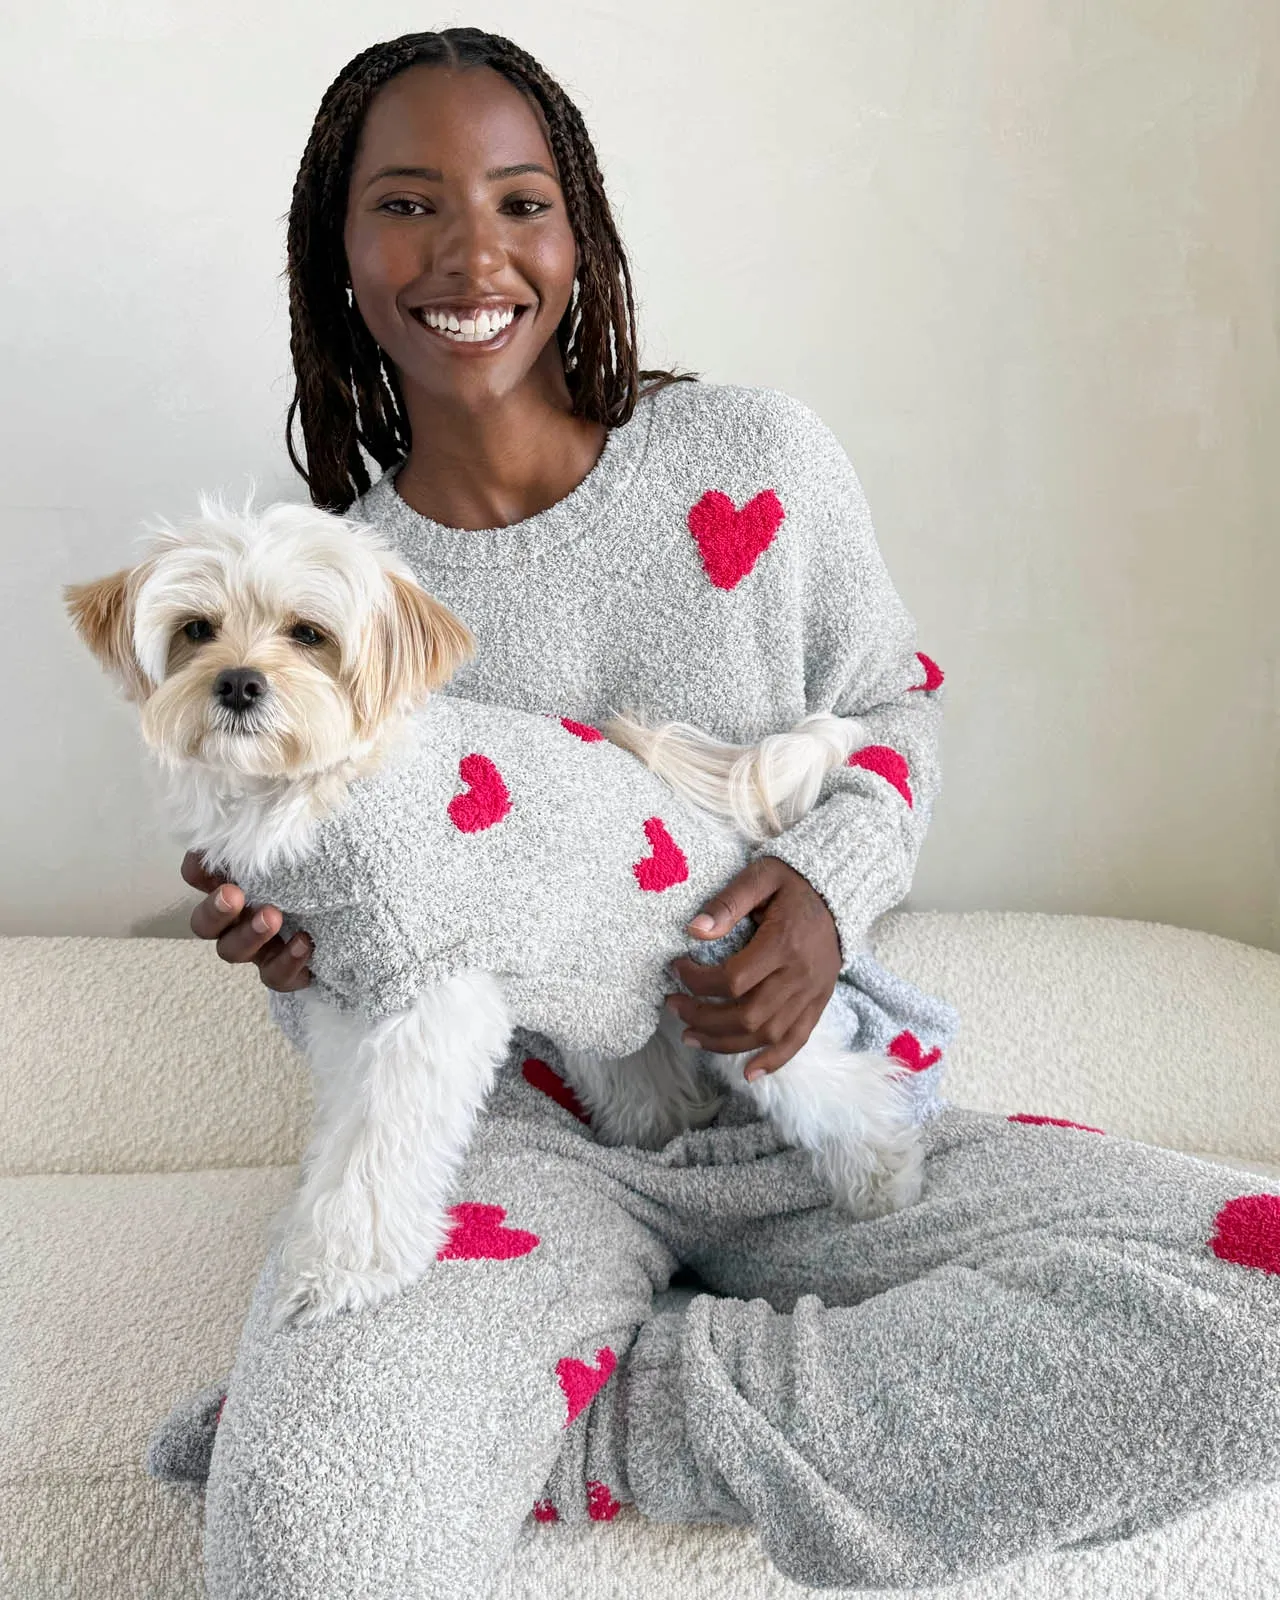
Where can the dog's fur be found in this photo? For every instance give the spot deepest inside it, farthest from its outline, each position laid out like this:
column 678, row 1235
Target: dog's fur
column 347, row 643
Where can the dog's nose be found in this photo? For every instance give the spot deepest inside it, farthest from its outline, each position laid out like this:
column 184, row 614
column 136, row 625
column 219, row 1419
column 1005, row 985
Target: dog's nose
column 239, row 687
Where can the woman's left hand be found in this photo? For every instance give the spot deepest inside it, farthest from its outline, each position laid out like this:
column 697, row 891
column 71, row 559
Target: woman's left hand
column 769, row 995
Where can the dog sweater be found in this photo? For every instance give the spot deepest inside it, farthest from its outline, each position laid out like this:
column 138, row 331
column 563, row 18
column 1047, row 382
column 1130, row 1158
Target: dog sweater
column 718, row 566
column 517, row 844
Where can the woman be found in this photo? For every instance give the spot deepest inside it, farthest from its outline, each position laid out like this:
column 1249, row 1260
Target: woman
column 1046, row 1350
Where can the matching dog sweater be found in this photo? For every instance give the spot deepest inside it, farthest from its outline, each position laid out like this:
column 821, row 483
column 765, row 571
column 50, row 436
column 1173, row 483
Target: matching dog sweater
column 523, row 845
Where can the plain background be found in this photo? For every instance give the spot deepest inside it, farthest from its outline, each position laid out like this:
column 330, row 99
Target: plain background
column 1021, row 255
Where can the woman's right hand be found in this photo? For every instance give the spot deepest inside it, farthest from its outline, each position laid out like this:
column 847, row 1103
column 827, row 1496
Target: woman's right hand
column 246, row 934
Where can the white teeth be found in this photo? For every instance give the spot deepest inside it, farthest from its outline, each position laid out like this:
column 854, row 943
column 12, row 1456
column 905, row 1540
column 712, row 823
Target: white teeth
column 470, row 330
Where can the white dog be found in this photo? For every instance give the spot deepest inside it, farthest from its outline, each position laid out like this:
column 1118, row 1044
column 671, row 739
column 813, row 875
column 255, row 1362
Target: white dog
column 283, row 662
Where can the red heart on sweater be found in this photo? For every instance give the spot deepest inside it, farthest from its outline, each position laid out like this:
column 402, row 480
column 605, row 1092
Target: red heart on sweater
column 1247, row 1232
column 486, row 800
column 730, row 541
column 883, row 759
column 907, row 1049
column 581, row 730
column 933, row 676
column 478, row 1235
column 666, row 864
column 544, row 1511
column 582, row 1383
column 539, row 1075
column 601, row 1506
column 1052, row 1122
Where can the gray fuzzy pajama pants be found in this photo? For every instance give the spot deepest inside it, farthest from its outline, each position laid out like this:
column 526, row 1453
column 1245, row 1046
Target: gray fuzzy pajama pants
column 1071, row 1338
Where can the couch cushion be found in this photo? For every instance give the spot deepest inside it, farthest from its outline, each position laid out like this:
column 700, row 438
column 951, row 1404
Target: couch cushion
column 1156, row 1033
column 141, row 1055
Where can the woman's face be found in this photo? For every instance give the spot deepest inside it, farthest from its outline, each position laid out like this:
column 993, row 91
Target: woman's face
column 431, row 230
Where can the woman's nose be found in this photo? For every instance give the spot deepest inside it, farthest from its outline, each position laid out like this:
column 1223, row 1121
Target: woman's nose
column 469, row 242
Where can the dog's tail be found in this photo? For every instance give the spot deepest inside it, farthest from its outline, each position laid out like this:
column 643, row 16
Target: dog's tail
column 761, row 789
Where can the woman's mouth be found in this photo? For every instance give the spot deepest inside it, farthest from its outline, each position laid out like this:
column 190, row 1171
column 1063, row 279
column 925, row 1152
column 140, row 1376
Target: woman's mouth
column 469, row 330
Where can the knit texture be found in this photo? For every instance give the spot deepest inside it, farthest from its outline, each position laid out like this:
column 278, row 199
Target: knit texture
column 505, row 843
column 717, row 566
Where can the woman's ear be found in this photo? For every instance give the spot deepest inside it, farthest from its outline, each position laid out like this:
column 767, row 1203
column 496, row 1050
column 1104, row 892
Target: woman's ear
column 102, row 614
column 414, row 645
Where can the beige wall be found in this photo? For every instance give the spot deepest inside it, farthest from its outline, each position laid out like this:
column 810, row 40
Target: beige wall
column 1021, row 255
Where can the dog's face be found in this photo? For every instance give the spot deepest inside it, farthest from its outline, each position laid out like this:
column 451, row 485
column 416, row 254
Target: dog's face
column 269, row 645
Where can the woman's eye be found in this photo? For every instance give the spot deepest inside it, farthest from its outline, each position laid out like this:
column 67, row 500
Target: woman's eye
column 197, row 629
column 539, row 205
column 304, row 633
column 387, row 204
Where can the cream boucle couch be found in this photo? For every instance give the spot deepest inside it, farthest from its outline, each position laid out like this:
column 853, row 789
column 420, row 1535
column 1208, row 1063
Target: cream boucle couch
column 152, row 1116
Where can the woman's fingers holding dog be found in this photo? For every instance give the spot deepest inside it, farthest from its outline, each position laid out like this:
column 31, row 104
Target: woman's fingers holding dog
column 247, row 933
column 197, row 874
column 284, row 967
column 252, row 933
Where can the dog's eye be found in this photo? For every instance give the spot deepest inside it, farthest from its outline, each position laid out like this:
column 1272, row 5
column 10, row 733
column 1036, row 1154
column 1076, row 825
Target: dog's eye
column 197, row 629
column 304, row 633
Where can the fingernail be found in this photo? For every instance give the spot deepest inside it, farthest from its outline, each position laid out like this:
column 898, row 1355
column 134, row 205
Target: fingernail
column 298, row 947
column 260, row 921
column 702, row 922
column 688, row 1038
column 220, row 900
column 752, row 1073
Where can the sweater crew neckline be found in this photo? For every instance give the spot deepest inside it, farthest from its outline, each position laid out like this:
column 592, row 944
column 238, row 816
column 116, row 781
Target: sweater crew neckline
column 559, row 524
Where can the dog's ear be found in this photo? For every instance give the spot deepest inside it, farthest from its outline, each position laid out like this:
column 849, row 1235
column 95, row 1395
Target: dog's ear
column 414, row 646
column 102, row 614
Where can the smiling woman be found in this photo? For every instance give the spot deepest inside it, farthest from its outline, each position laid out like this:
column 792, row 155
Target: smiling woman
column 1031, row 1356
column 459, row 295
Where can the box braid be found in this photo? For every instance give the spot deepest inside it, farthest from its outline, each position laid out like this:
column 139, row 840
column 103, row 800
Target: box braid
column 347, row 393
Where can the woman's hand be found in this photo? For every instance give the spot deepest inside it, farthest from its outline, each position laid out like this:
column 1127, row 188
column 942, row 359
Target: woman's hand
column 769, row 995
column 245, row 934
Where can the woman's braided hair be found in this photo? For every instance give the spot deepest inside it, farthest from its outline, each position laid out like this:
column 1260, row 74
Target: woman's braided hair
column 347, row 393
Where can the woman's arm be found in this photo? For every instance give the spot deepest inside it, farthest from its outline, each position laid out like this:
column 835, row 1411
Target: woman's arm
column 857, row 848
column 859, row 845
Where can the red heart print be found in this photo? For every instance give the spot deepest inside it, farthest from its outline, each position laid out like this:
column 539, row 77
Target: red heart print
column 478, row 1235
column 486, row 800
column 582, row 1383
column 1247, row 1232
column 730, row 541
column 222, row 1406
column 601, row 1506
column 540, row 1075
column 544, row 1511
column 581, row 730
column 666, row 865
column 883, row 759
column 933, row 675
column 907, row 1049
column 1052, row 1122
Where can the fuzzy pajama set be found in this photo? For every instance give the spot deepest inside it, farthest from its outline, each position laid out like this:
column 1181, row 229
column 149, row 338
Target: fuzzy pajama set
column 1068, row 1339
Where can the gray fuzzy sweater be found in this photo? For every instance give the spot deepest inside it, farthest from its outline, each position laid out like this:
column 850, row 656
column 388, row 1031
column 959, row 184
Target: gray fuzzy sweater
column 516, row 844
column 717, row 565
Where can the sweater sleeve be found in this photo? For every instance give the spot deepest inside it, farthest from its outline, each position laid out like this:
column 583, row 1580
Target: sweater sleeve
column 360, row 961
column 285, row 1010
column 859, row 844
